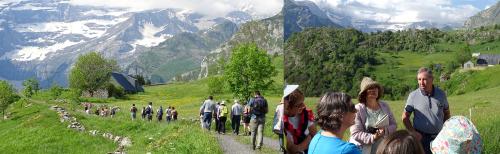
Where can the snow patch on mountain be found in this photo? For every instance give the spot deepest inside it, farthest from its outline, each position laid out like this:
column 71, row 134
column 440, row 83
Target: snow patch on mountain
column 104, row 13
column 89, row 28
column 39, row 53
column 7, row 2
column 34, row 7
column 150, row 37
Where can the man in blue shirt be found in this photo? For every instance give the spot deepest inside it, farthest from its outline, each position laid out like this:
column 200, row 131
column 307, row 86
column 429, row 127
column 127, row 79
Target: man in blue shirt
column 431, row 109
column 258, row 109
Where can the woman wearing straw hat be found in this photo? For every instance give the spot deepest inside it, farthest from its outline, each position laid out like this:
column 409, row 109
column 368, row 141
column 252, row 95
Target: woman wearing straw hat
column 374, row 119
column 298, row 121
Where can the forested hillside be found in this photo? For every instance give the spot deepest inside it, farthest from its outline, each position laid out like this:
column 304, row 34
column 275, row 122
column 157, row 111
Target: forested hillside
column 321, row 59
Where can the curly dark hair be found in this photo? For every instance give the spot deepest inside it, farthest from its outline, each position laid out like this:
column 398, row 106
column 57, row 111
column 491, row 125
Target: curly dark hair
column 331, row 108
column 398, row 142
column 294, row 98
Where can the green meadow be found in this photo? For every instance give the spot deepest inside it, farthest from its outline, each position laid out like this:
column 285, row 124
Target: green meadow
column 34, row 128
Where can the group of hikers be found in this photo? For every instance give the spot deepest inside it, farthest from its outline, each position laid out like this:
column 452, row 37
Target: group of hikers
column 372, row 125
column 102, row 110
column 252, row 115
column 147, row 113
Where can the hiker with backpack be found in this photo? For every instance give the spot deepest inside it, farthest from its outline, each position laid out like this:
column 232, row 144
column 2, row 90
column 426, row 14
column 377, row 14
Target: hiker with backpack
column 207, row 109
column 246, row 120
column 298, row 121
column 114, row 109
column 143, row 113
column 168, row 114
column 174, row 113
column 223, row 111
column 216, row 117
column 149, row 111
column 133, row 111
column 236, row 111
column 159, row 113
column 258, row 109
column 278, row 123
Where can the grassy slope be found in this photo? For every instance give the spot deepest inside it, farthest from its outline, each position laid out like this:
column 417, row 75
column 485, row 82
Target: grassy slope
column 405, row 63
column 38, row 130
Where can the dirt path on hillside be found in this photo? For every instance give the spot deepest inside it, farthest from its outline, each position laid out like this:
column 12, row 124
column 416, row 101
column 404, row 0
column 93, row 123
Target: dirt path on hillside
column 230, row 145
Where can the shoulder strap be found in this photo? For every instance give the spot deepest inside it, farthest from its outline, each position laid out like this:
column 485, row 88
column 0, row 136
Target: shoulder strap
column 305, row 123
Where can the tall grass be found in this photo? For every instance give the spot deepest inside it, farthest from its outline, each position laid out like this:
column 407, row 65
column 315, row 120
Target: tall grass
column 36, row 129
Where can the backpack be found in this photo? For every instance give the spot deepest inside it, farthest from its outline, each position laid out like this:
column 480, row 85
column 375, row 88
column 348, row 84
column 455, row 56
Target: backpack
column 223, row 111
column 278, row 121
column 148, row 110
column 259, row 106
column 134, row 109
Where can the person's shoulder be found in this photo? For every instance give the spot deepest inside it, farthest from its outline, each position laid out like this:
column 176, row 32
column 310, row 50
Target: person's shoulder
column 414, row 92
column 359, row 106
column 438, row 91
column 383, row 103
column 350, row 148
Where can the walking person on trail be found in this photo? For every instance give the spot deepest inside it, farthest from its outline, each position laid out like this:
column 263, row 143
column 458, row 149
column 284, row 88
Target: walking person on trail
column 88, row 106
column 143, row 113
column 223, row 112
column 431, row 109
column 174, row 113
column 298, row 121
column 149, row 111
column 216, row 117
column 208, row 108
column 113, row 111
column 258, row 109
column 133, row 111
column 278, row 127
column 236, row 112
column 159, row 113
column 168, row 114
column 246, row 120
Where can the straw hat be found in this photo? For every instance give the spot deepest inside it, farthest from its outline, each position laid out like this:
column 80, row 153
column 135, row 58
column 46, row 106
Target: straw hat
column 368, row 83
column 289, row 89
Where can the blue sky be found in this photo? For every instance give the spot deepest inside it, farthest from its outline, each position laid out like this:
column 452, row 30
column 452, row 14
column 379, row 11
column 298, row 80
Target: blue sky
column 481, row 4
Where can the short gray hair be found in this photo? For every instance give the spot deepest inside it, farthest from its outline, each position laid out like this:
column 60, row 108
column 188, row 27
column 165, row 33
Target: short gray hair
column 426, row 70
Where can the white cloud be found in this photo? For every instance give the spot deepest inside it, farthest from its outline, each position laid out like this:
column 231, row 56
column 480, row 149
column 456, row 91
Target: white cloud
column 213, row 8
column 402, row 11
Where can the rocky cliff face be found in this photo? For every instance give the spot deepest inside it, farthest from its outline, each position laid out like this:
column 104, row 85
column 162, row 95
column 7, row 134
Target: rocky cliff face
column 266, row 33
column 486, row 17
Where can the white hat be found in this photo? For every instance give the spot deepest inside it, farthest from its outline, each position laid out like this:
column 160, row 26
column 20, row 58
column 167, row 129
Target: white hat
column 223, row 103
column 289, row 89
